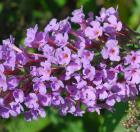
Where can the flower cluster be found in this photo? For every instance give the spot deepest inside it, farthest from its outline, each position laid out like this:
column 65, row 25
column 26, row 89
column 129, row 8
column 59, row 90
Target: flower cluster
column 72, row 70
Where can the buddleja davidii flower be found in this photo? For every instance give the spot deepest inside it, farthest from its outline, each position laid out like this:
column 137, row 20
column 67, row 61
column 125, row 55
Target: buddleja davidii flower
column 126, row 90
column 34, row 38
column 88, row 96
column 31, row 101
column 45, row 70
column 48, row 52
column 80, row 82
column 133, row 58
column 58, row 32
column 4, row 112
column 132, row 73
column 88, row 72
column 86, row 56
column 74, row 65
column 54, row 26
column 63, row 56
column 39, row 86
column 11, row 106
column 68, row 107
column 3, row 79
column 73, row 92
column 94, row 30
column 61, row 39
column 33, row 114
column 31, row 34
column 132, row 65
column 111, row 50
column 56, row 84
column 112, row 22
column 78, row 16
column 35, row 103
column 12, row 82
column 8, row 54
column 104, row 13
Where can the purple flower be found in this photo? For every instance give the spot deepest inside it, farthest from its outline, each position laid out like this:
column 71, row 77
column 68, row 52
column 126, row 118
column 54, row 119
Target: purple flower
column 111, row 50
column 16, row 108
column 7, row 54
column 3, row 83
column 104, row 13
column 61, row 39
column 12, row 82
column 133, row 58
column 52, row 26
column 4, row 112
column 94, row 31
column 89, row 72
column 31, row 101
column 74, row 65
column 57, row 100
column 56, row 84
column 40, row 87
column 78, row 16
column 114, row 23
column 80, row 82
column 31, row 35
column 99, row 76
column 65, row 25
column 111, row 75
column 22, row 58
column 63, row 56
column 102, row 93
column 132, row 73
column 73, row 92
column 45, row 99
column 45, row 70
column 110, row 101
column 88, row 96
column 18, row 95
column 48, row 52
column 86, row 56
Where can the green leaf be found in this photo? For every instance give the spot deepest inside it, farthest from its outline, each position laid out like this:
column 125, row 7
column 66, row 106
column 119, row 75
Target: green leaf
column 1, row 7
column 20, row 125
column 112, row 121
column 61, row 2
column 76, row 126
column 138, row 29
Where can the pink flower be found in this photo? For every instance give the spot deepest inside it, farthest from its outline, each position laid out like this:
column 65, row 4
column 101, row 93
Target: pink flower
column 45, row 70
column 113, row 22
column 132, row 73
column 111, row 50
column 89, row 72
column 86, row 56
column 93, row 31
column 105, row 13
column 78, row 16
column 63, row 56
column 61, row 39
column 31, row 35
column 133, row 58
column 52, row 26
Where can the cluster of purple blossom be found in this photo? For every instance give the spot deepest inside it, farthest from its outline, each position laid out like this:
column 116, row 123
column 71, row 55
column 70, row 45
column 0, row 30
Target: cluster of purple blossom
column 71, row 70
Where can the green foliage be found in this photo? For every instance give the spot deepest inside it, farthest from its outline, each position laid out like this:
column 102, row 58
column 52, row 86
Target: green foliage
column 20, row 125
column 112, row 121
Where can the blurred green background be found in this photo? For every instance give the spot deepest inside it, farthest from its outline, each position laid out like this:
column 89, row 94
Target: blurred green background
column 17, row 15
